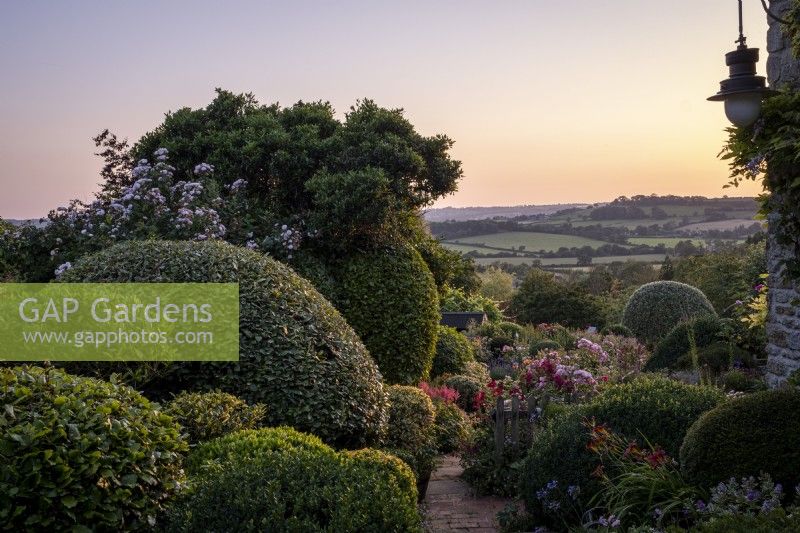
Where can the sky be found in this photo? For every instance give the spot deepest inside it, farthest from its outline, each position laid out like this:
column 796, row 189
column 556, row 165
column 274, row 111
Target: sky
column 548, row 101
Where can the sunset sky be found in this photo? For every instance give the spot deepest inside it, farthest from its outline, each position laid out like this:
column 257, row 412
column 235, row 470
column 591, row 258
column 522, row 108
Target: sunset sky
column 548, row 101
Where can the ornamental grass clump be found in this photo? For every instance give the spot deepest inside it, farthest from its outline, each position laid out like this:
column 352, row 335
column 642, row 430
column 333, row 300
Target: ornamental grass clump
column 656, row 308
column 78, row 453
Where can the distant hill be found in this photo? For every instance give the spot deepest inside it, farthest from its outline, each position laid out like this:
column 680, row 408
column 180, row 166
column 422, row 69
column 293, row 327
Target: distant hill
column 443, row 214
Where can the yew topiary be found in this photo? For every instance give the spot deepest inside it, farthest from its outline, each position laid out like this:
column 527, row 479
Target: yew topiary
column 297, row 355
column 746, row 436
column 656, row 308
column 82, row 454
column 705, row 329
column 453, row 352
column 389, row 297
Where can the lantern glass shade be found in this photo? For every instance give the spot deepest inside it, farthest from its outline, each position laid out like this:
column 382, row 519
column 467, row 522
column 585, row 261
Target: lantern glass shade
column 743, row 109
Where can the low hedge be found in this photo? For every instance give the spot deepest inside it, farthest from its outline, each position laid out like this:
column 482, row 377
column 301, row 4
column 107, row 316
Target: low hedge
column 745, row 437
column 79, row 453
column 390, row 298
column 453, row 352
column 281, row 480
column 656, row 308
column 204, row 416
column 297, row 354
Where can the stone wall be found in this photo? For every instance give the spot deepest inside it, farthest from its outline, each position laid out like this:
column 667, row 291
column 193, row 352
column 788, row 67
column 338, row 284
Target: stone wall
column 783, row 324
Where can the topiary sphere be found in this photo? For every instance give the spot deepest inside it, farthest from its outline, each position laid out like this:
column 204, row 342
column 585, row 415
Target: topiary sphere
column 468, row 388
column 539, row 346
column 207, row 415
column 656, row 308
column 453, row 352
column 744, row 437
column 297, row 354
column 412, row 432
column 80, row 453
column 390, row 299
column 278, row 479
column 676, row 343
column 453, row 427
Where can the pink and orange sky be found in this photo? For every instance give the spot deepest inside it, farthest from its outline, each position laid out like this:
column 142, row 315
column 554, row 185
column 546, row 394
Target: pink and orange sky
column 548, row 101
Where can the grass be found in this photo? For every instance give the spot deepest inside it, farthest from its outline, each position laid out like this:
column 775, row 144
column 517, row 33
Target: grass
column 572, row 261
column 532, row 241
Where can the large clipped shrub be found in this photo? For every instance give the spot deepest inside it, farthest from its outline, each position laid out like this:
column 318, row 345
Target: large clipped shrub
column 297, row 354
column 656, row 308
column 453, row 352
column 651, row 408
column 412, row 431
column 706, row 329
column 389, row 297
column 80, row 453
column 207, row 415
column 718, row 357
column 278, row 479
column 746, row 436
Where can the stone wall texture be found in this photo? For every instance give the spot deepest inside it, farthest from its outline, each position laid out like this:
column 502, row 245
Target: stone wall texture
column 783, row 324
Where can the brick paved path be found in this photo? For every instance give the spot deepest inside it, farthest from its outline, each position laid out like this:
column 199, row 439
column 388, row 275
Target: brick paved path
column 452, row 506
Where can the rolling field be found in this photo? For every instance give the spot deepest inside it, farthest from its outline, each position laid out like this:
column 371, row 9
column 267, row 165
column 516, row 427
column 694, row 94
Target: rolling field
column 669, row 242
column 571, row 261
column 533, row 242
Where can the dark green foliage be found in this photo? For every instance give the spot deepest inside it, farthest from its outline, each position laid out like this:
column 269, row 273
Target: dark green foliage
column 468, row 387
column 282, row 480
column 452, row 427
column 303, row 161
column 741, row 381
column 538, row 346
column 204, row 416
column 297, row 354
column 744, row 437
column 656, row 308
column 777, row 521
column 724, row 276
column 449, row 268
column 650, row 408
column 617, row 329
column 718, row 357
column 483, row 471
column 453, row 352
column 707, row 330
column 390, row 299
column 512, row 330
column 412, row 432
column 82, row 453
column 541, row 298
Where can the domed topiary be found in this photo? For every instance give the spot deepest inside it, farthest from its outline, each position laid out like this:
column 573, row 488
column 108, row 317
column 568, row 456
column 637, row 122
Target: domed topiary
column 297, row 354
column 412, row 433
column 82, row 453
column 656, row 308
column 390, row 299
column 452, row 426
column 278, row 479
column 468, row 387
column 207, row 415
column 744, row 437
column 539, row 346
column 453, row 352
column 650, row 407
column 707, row 330
column 617, row 329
